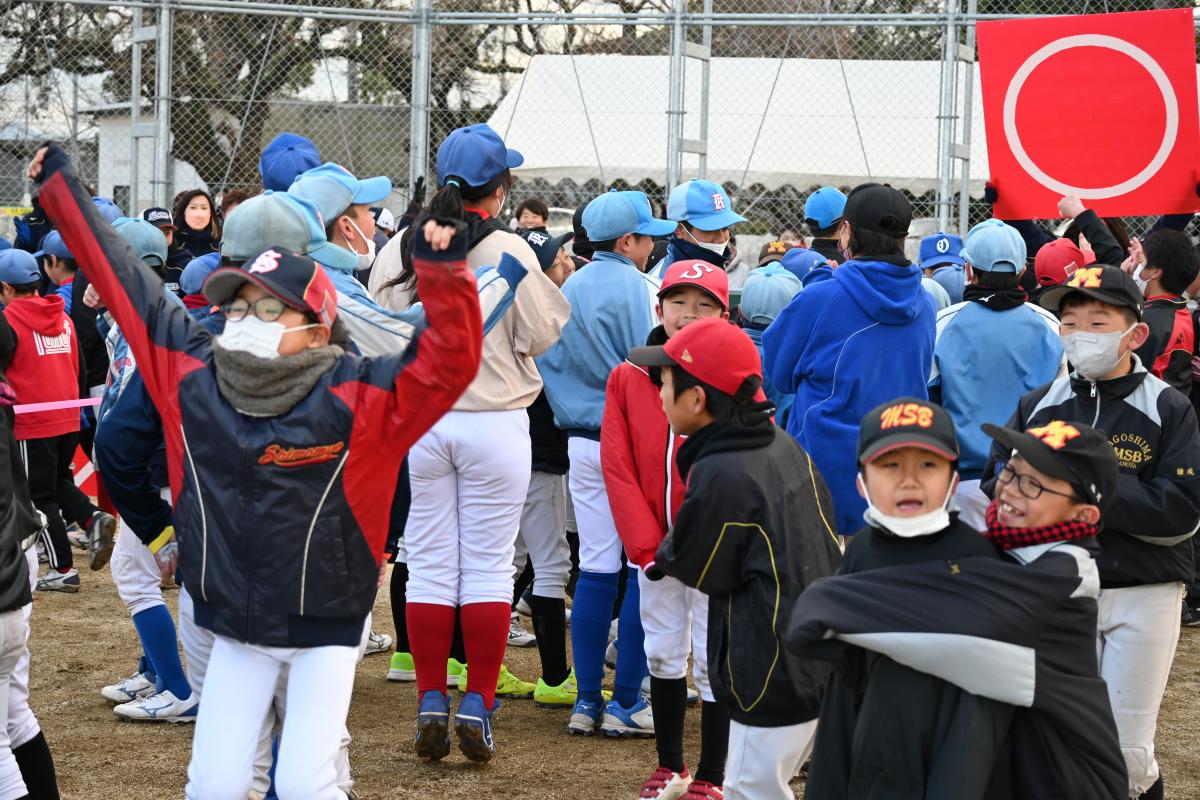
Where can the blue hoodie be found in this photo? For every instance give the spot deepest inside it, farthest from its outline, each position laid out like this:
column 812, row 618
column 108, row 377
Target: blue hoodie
column 844, row 346
column 612, row 312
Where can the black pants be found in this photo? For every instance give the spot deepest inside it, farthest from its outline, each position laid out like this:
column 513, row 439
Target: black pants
column 52, row 486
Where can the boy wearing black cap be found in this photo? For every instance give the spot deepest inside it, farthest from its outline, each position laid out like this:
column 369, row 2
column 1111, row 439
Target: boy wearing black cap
column 1016, row 630
column 753, row 531
column 1146, row 546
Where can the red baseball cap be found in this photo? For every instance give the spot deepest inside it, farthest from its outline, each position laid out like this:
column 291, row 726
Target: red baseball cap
column 702, row 275
column 1052, row 262
column 713, row 351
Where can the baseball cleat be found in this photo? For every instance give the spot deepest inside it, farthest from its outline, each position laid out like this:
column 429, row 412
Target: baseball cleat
column 161, row 707
column 585, row 717
column 637, row 721
column 517, row 635
column 507, row 685
column 378, row 643
column 433, row 726
column 473, row 727
column 666, row 784
column 55, row 581
column 703, row 790
column 129, row 689
column 101, row 530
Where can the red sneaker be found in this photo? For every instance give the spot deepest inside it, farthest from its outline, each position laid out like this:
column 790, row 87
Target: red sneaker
column 666, row 784
column 703, row 790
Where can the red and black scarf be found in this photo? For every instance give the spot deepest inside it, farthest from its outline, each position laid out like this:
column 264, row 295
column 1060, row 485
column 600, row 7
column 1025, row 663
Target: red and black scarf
column 1008, row 538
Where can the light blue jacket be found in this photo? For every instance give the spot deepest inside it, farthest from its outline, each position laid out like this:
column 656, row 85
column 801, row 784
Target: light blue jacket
column 612, row 312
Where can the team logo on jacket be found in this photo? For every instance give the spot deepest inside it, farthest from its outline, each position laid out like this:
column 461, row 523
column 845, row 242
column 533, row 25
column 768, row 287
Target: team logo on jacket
column 1133, row 452
column 282, row 456
column 1056, row 434
column 906, row 414
column 54, row 345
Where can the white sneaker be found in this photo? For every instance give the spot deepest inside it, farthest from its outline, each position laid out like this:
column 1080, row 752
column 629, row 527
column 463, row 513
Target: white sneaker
column 55, row 581
column 128, row 689
column 693, row 696
column 378, row 643
column 77, row 537
column 517, row 635
column 161, row 707
column 610, row 655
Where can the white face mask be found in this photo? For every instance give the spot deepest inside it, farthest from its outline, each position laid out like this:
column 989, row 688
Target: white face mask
column 251, row 335
column 1094, row 355
column 365, row 260
column 716, row 248
column 1137, row 278
column 909, row 527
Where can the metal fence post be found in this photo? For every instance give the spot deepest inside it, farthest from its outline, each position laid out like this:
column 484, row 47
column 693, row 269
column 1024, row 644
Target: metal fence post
column 705, row 84
column 964, row 196
column 675, row 96
column 162, row 139
column 419, row 98
column 946, row 119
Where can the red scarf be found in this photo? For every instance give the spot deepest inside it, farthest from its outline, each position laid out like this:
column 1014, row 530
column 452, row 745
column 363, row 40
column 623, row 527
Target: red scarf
column 1008, row 538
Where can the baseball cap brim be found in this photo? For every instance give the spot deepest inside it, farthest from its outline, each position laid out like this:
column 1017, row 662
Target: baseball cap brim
column 650, row 357
column 1053, row 296
column 223, row 283
column 513, row 158
column 906, row 439
column 657, row 227
column 942, row 258
column 330, row 255
column 1033, row 450
column 677, row 284
column 716, row 222
column 372, row 190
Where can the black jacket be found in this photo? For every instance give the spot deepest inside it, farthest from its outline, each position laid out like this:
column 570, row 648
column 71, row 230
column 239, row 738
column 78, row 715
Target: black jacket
column 1149, row 524
column 754, row 529
column 92, row 349
column 1018, row 635
column 889, row 730
column 1167, row 353
column 549, row 442
column 17, row 521
column 828, row 248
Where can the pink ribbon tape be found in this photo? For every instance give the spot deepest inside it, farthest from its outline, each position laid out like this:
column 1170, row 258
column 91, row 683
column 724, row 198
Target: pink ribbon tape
column 57, row 405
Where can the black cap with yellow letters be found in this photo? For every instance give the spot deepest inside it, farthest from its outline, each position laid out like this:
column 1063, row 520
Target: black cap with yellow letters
column 1110, row 285
column 907, row 422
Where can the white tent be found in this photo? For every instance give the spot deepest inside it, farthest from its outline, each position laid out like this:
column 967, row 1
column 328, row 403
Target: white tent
column 808, row 136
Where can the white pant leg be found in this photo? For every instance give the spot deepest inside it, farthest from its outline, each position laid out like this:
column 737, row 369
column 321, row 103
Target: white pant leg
column 570, row 506
column 135, row 572
column 12, row 645
column 320, row 682
column 972, row 504
column 1138, row 632
column 239, row 687
column 666, row 622
column 492, row 455
column 699, row 604
column 599, row 544
column 431, row 532
column 762, row 761
column 197, row 642
column 543, row 535
column 22, row 723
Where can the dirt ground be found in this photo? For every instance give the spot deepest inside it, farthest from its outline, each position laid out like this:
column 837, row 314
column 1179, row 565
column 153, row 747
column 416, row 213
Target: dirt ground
column 80, row 642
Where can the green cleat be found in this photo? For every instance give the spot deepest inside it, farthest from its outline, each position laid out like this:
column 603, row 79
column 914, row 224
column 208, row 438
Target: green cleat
column 507, row 685
column 402, row 668
column 562, row 696
column 455, row 669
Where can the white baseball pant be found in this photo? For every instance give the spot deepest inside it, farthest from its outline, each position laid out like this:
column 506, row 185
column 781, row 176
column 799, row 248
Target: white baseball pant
column 570, row 507
column 22, row 724
column 761, row 761
column 12, row 647
column 469, row 477
column 599, row 544
column 542, row 536
column 1138, row 629
column 135, row 572
column 675, row 621
column 240, row 688
column 972, row 504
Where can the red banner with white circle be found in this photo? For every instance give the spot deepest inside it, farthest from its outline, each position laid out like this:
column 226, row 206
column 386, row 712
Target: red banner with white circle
column 1101, row 106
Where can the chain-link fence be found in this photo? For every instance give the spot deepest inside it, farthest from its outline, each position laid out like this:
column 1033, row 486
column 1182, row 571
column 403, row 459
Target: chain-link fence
column 772, row 98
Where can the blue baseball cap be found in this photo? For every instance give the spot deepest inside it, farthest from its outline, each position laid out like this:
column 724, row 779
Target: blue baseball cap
column 18, row 268
column 148, row 242
column 5, row 244
column 767, row 291
column 823, row 208
column 476, row 154
column 800, row 261
column 333, row 189
column 288, row 155
column 993, row 246
column 614, row 214
column 941, row 248
column 191, row 281
column 703, row 204
column 281, row 220
column 108, row 209
column 953, row 279
column 53, row 245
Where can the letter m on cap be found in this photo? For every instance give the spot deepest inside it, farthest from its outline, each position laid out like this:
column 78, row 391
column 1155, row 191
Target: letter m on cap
column 1056, row 434
column 1086, row 277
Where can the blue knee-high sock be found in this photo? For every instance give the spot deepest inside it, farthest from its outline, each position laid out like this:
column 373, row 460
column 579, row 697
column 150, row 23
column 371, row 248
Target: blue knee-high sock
column 591, row 616
column 631, row 652
column 156, row 629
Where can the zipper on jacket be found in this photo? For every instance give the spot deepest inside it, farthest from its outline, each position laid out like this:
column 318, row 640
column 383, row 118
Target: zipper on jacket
column 203, row 520
column 312, row 526
column 670, row 476
column 1096, row 397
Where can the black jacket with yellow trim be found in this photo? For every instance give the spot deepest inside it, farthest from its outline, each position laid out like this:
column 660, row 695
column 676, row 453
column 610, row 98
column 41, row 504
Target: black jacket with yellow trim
column 754, row 530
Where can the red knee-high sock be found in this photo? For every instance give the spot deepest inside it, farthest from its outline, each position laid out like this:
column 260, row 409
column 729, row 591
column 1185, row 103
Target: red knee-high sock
column 430, row 628
column 485, row 633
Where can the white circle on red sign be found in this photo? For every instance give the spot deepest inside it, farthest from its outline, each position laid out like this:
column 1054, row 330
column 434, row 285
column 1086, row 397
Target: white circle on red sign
column 1147, row 62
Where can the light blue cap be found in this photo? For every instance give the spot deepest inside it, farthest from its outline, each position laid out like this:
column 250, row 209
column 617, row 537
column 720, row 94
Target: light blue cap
column 53, row 245
column 953, row 279
column 993, row 246
column 800, row 261
column 767, row 291
column 939, row 296
column 703, row 204
column 280, row 219
column 824, row 207
column 191, row 281
column 614, row 214
column 333, row 189
column 148, row 242
column 18, row 268
column 108, row 209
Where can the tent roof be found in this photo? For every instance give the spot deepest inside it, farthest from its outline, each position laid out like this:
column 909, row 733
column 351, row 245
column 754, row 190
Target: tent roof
column 808, row 135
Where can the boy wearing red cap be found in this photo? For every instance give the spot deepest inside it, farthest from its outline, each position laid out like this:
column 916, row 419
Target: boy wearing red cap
column 755, row 527
column 637, row 453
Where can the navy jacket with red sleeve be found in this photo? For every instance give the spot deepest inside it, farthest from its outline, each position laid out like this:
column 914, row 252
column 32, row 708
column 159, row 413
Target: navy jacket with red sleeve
column 281, row 521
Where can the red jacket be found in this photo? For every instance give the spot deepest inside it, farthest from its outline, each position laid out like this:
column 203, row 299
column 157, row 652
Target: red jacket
column 45, row 365
column 637, row 455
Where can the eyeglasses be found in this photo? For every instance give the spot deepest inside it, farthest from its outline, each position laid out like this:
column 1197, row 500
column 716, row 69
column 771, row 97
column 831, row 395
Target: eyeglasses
column 1028, row 485
column 268, row 309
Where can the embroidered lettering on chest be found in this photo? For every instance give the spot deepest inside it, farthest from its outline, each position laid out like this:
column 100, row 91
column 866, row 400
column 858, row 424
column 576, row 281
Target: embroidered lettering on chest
column 282, row 456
